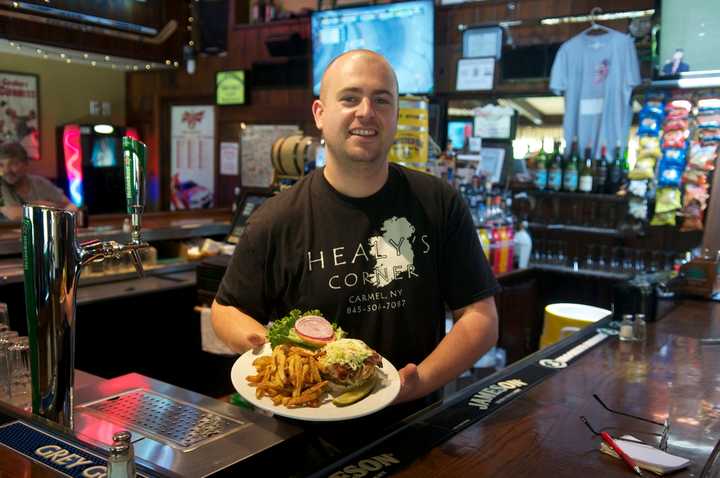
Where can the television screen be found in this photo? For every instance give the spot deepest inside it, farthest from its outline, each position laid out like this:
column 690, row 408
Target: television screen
column 105, row 151
column 401, row 32
column 689, row 37
column 458, row 130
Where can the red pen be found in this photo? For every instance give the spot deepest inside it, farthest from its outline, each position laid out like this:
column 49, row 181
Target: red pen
column 630, row 462
column 611, row 443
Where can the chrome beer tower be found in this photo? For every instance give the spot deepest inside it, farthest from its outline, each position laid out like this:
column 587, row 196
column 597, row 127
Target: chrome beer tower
column 52, row 260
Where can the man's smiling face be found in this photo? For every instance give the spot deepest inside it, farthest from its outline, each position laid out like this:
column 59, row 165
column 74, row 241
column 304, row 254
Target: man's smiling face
column 358, row 108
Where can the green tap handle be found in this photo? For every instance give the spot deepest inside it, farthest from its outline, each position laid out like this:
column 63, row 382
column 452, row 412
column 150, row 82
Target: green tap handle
column 134, row 154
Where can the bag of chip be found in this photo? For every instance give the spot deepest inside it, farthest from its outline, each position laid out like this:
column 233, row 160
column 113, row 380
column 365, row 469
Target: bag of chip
column 697, row 194
column 663, row 219
column 703, row 156
column 638, row 187
column 709, row 135
column 675, row 124
column 667, row 199
column 710, row 119
column 695, row 176
column 638, row 208
column 670, row 174
column 708, row 104
column 650, row 125
column 692, row 217
column 644, row 169
column 675, row 139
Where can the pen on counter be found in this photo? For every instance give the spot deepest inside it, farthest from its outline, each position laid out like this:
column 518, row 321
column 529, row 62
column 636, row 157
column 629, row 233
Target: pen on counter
column 612, row 444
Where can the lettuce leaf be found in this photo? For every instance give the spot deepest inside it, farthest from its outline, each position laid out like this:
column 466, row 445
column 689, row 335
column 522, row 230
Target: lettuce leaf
column 282, row 330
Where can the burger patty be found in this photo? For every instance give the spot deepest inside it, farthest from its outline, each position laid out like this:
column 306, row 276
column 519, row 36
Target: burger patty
column 342, row 373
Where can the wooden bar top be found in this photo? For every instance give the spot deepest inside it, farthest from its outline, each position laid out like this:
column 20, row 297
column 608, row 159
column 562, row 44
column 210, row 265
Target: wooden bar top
column 671, row 375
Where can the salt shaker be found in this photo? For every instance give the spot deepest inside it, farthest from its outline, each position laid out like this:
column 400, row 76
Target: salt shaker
column 626, row 328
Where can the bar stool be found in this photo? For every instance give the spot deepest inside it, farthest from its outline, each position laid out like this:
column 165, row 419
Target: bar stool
column 562, row 320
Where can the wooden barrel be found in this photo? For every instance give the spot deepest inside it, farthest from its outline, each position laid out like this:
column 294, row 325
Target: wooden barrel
column 291, row 153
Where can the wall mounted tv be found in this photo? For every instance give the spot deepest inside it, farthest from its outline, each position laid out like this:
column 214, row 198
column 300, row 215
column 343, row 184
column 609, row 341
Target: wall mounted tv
column 689, row 39
column 403, row 32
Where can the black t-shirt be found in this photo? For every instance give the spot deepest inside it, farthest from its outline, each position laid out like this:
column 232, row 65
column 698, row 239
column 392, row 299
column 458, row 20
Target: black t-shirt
column 382, row 267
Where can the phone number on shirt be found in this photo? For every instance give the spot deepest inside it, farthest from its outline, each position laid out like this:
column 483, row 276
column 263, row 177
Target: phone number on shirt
column 376, row 306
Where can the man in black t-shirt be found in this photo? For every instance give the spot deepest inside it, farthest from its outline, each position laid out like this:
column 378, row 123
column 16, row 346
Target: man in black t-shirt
column 376, row 247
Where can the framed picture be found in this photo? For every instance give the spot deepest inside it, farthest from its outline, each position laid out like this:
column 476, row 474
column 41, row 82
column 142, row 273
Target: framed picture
column 20, row 111
column 482, row 42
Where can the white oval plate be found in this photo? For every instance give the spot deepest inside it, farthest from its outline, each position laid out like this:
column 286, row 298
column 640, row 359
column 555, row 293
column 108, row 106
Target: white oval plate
column 384, row 393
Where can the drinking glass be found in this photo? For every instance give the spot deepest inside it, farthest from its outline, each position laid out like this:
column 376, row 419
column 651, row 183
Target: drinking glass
column 601, row 261
column 20, row 392
column 615, row 262
column 4, row 316
column 640, row 261
column 6, row 339
column 589, row 259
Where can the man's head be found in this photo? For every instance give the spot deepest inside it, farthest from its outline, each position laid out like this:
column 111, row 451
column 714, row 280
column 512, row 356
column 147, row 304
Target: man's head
column 14, row 163
column 678, row 55
column 358, row 108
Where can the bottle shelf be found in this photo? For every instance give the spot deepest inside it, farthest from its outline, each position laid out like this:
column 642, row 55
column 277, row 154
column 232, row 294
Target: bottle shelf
column 600, row 231
column 578, row 195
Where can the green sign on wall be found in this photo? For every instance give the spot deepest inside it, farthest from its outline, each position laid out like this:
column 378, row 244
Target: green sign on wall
column 230, row 87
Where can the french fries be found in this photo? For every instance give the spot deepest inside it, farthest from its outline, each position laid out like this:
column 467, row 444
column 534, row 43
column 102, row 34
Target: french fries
column 290, row 377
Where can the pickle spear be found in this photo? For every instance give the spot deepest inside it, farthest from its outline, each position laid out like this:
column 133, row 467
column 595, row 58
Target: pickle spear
column 356, row 394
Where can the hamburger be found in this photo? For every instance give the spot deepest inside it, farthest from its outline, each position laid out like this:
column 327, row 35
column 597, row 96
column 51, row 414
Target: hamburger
column 348, row 364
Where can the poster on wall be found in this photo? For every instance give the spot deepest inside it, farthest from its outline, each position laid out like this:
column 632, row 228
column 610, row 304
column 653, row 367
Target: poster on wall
column 192, row 155
column 19, row 115
column 255, row 148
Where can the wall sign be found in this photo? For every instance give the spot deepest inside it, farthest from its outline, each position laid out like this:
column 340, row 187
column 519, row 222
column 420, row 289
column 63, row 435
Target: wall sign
column 19, row 111
column 192, row 156
column 475, row 74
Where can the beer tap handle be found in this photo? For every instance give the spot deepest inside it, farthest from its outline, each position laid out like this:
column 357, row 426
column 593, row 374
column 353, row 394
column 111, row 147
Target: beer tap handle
column 134, row 153
column 135, row 256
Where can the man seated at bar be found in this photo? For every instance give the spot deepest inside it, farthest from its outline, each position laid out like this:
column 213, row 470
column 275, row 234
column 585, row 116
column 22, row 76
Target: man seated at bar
column 17, row 187
column 378, row 248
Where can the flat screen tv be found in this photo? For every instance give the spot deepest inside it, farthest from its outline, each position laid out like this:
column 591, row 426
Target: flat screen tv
column 689, row 39
column 402, row 32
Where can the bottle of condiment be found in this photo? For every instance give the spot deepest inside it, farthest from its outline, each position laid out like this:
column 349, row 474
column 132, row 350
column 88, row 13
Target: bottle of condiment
column 626, row 328
column 640, row 328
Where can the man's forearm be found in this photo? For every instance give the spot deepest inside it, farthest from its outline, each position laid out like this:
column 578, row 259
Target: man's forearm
column 474, row 333
column 234, row 327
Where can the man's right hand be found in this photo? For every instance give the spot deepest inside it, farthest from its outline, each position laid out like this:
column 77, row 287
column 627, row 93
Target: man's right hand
column 256, row 340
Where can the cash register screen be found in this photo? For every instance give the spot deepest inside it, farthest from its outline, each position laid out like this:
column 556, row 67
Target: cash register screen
column 246, row 207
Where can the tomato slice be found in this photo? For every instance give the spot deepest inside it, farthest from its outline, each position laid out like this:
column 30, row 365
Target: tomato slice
column 314, row 327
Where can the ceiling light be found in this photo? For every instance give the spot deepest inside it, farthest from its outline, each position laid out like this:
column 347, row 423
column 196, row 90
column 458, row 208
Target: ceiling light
column 597, row 18
column 103, row 129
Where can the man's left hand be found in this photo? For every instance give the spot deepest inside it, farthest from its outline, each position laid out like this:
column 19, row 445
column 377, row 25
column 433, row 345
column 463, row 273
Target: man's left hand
column 409, row 383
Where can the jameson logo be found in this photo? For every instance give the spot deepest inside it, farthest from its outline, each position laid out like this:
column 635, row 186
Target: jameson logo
column 485, row 397
column 368, row 467
column 390, row 256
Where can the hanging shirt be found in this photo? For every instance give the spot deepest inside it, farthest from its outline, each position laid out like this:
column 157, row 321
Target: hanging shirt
column 596, row 73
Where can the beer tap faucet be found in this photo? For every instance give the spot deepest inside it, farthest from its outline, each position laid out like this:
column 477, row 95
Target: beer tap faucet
column 52, row 261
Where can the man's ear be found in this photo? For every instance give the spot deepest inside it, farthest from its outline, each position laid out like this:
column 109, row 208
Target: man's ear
column 317, row 110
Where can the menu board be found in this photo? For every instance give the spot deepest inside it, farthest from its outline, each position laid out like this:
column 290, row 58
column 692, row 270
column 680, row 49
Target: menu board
column 255, row 147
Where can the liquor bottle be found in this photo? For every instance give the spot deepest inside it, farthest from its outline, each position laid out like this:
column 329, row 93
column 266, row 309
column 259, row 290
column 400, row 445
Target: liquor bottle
column 269, row 11
column 624, row 167
column 554, row 182
column 586, row 173
column 541, row 173
column 601, row 171
column 614, row 177
column 570, row 173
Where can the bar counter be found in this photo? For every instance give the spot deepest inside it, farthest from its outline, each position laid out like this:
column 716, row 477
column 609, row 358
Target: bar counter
column 523, row 421
column 672, row 375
